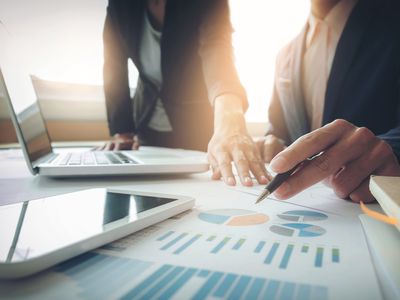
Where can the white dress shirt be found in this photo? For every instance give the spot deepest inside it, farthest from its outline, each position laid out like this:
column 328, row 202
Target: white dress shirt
column 320, row 47
column 150, row 59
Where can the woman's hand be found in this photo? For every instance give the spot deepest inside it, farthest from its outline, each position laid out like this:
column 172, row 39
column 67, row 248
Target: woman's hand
column 232, row 143
column 121, row 141
column 269, row 146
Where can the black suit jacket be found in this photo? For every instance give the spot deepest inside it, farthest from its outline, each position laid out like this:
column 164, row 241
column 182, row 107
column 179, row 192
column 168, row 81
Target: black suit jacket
column 364, row 83
column 196, row 64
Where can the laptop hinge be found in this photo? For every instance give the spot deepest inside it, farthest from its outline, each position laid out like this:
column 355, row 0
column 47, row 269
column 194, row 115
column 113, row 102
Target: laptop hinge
column 43, row 159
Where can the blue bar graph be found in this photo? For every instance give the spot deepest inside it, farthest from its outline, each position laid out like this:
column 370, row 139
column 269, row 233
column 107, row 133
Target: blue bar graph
column 101, row 276
column 319, row 257
column 91, row 268
column 259, row 247
column 304, row 249
column 163, row 237
column 164, row 281
column 97, row 285
column 187, row 244
column 271, row 253
column 147, row 282
column 225, row 285
column 208, row 286
column 181, row 281
column 174, row 241
column 204, row 273
column 255, row 288
column 335, row 255
column 220, row 245
column 81, row 263
column 303, row 292
column 182, row 243
column 286, row 257
column 238, row 244
column 287, row 291
column 240, row 287
column 272, row 289
column 211, row 238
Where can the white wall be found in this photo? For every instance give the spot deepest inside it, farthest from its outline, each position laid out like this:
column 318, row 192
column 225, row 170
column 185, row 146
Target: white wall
column 63, row 38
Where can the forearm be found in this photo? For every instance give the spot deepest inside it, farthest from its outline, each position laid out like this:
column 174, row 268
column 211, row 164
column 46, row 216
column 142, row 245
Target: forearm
column 228, row 109
column 115, row 76
column 216, row 52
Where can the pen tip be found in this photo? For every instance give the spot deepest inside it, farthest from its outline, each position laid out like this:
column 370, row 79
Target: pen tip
column 263, row 195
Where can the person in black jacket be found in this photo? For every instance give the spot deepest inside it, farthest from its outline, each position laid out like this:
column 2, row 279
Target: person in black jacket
column 341, row 78
column 188, row 91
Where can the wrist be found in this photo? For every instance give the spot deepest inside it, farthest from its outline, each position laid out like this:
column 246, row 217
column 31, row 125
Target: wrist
column 228, row 112
column 126, row 135
column 228, row 103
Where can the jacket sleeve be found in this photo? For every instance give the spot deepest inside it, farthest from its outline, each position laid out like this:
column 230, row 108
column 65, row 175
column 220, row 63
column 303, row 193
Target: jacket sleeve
column 216, row 51
column 392, row 137
column 115, row 75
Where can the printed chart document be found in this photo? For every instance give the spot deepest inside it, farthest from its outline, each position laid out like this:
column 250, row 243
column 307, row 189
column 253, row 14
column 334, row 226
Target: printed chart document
column 225, row 248
column 318, row 197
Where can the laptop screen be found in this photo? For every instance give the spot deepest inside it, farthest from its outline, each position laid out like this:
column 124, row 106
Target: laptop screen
column 17, row 88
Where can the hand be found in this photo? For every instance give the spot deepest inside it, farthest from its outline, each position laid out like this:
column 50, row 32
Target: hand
column 269, row 146
column 231, row 143
column 121, row 141
column 349, row 155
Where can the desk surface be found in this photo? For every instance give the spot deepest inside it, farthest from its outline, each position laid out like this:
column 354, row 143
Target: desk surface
column 311, row 247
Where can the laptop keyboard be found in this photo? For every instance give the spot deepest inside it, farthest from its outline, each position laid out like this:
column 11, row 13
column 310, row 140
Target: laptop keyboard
column 95, row 158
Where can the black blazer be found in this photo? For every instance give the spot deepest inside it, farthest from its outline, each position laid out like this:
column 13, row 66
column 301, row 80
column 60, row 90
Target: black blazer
column 196, row 64
column 364, row 84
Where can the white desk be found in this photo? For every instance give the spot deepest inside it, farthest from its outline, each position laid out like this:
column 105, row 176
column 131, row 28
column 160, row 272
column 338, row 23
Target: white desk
column 335, row 265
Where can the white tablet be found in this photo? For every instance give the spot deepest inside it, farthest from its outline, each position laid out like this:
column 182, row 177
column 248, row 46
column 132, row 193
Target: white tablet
column 37, row 234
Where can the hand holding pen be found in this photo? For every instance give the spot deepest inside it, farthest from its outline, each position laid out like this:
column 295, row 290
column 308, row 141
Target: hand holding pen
column 275, row 183
column 348, row 156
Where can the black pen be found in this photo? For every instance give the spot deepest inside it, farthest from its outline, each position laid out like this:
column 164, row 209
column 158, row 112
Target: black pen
column 275, row 183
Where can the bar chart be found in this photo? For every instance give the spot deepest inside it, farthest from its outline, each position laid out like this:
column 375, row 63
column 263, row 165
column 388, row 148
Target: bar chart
column 100, row 276
column 270, row 252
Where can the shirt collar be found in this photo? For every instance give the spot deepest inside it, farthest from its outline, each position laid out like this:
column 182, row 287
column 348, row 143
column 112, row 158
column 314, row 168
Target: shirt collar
column 337, row 17
column 335, row 20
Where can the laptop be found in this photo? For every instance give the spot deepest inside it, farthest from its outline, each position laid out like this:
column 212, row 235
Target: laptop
column 41, row 159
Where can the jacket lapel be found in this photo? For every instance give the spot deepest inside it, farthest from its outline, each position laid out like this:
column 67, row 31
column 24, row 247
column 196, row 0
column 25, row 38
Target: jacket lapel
column 348, row 45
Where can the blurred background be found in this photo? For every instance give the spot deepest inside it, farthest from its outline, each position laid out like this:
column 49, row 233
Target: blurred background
column 61, row 44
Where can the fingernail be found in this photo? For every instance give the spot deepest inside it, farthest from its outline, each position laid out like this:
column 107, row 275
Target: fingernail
column 231, row 181
column 263, row 179
column 278, row 163
column 247, row 180
column 283, row 190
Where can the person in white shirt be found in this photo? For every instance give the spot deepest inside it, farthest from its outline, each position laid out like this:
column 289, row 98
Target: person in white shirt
column 337, row 94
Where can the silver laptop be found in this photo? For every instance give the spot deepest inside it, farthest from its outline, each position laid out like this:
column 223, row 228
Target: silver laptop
column 41, row 159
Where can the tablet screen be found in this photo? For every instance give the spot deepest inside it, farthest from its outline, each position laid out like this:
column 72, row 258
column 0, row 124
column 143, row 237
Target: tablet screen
column 37, row 227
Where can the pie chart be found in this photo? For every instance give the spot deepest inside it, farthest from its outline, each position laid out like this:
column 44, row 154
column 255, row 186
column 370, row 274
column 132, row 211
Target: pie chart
column 302, row 216
column 298, row 229
column 233, row 217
